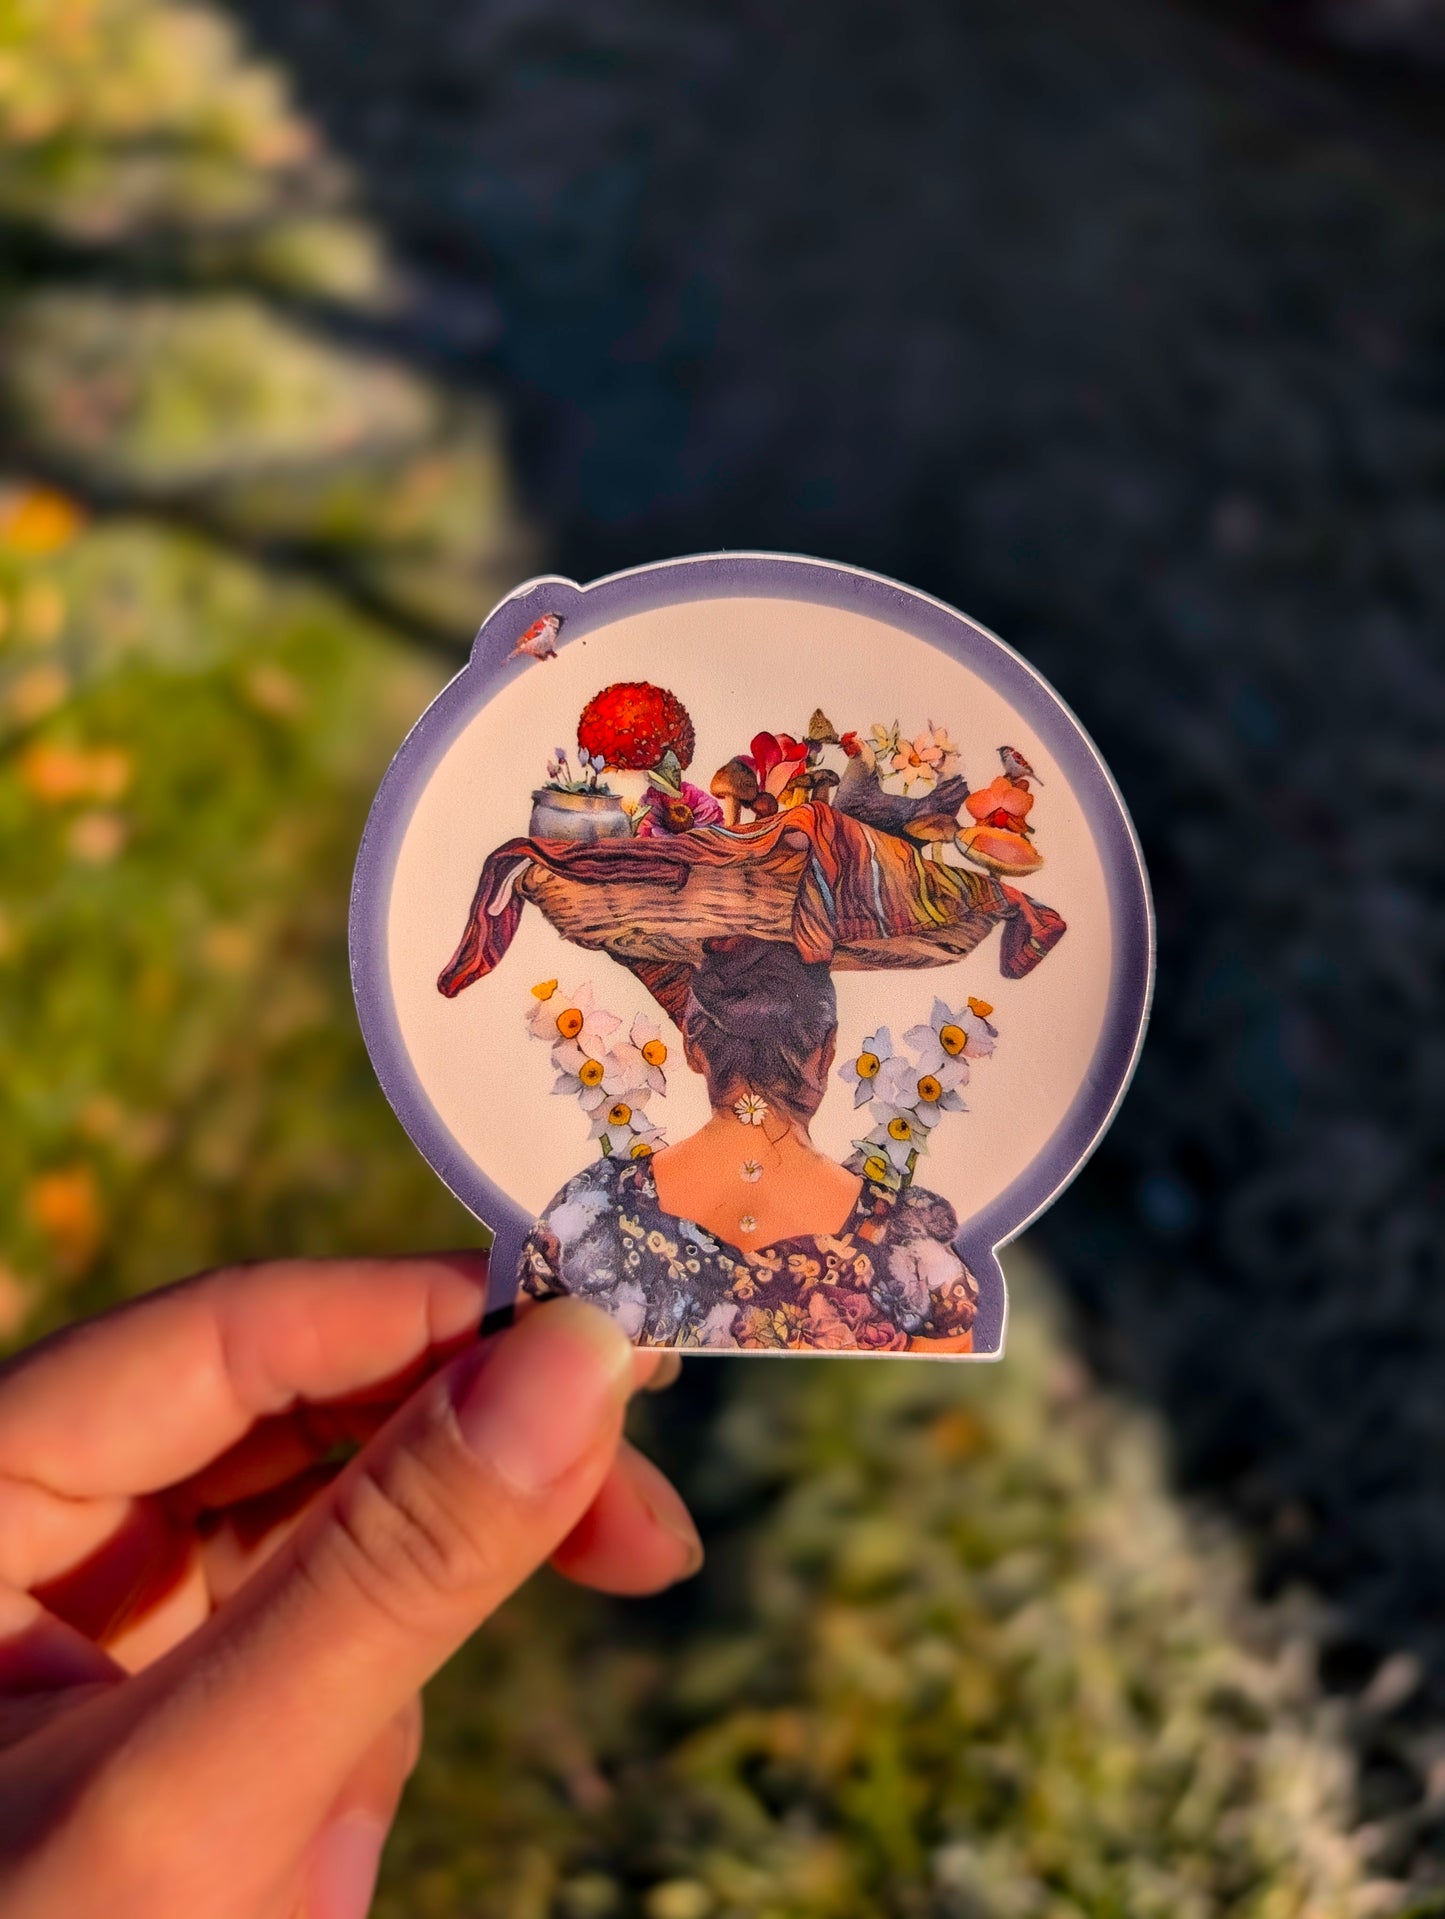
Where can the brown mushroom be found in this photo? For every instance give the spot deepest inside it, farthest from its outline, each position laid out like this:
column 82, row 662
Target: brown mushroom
column 824, row 780
column 736, row 785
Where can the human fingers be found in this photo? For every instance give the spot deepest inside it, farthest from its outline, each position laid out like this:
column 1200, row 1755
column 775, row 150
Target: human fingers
column 665, row 1373
column 173, row 1380
column 269, row 1706
column 637, row 1536
column 341, row 1870
column 277, row 1449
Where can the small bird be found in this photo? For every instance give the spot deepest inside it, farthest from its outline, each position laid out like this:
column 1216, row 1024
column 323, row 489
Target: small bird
column 1015, row 766
column 539, row 642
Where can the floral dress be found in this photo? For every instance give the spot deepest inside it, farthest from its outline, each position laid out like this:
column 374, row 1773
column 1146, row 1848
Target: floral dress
column 887, row 1279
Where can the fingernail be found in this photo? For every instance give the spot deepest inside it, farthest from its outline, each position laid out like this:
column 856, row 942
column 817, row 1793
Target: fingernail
column 673, row 1517
column 344, row 1869
column 666, row 1508
column 545, row 1392
column 664, row 1373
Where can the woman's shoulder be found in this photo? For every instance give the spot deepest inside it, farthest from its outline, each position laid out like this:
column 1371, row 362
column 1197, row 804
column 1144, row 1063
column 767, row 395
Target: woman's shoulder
column 915, row 1213
column 601, row 1176
column 926, row 1215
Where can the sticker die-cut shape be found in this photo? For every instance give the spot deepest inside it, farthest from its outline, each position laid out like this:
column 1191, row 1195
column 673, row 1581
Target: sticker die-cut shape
column 754, row 945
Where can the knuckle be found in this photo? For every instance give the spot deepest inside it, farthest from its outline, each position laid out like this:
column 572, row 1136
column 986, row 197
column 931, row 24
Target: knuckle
column 406, row 1533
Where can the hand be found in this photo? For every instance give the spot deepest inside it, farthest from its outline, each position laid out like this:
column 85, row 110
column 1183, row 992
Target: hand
column 212, row 1637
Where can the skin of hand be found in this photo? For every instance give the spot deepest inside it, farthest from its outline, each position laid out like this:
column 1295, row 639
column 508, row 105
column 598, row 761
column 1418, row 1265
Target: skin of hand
column 213, row 1633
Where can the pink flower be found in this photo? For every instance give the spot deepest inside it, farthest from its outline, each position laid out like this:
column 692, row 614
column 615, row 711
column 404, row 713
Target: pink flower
column 654, row 823
column 777, row 758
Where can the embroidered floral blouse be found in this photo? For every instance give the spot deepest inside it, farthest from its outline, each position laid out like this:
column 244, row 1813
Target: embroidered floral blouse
column 889, row 1277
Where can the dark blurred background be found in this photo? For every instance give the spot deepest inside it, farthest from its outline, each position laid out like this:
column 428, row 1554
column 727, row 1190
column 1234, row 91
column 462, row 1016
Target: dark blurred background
column 1122, row 327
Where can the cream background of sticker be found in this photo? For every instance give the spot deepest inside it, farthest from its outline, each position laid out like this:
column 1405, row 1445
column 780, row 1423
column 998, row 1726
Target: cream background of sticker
column 739, row 666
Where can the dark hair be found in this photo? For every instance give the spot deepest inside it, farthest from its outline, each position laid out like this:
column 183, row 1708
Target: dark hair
column 760, row 1017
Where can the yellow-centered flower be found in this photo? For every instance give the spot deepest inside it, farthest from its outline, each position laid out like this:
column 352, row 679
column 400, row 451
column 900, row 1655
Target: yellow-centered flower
column 590, row 1072
column 929, row 1089
column 639, row 1149
column 544, row 989
column 952, row 1039
column 876, row 1167
column 866, row 1065
column 655, row 1052
column 569, row 1025
column 619, row 1113
column 899, row 1128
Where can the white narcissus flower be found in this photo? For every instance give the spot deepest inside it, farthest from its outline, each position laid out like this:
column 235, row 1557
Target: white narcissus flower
column 579, row 1074
column 898, row 1135
column 592, row 1080
column 861, row 1072
column 751, row 1109
column 627, row 1131
column 950, row 1037
column 646, row 1041
column 907, row 1087
column 560, row 1017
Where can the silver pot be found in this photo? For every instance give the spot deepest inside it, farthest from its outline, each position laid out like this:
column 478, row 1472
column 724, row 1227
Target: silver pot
column 578, row 816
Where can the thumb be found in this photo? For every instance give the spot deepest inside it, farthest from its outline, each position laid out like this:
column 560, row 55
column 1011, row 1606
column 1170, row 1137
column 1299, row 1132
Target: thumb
column 467, row 1490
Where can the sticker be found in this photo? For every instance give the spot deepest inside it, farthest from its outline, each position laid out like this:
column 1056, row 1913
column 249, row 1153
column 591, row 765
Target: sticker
column 755, row 945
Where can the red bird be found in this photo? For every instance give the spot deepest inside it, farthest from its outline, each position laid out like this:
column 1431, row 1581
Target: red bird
column 539, row 642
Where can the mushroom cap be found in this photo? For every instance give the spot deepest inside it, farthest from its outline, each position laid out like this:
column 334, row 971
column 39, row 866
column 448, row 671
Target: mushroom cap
column 824, row 776
column 737, row 780
column 1000, row 851
column 633, row 723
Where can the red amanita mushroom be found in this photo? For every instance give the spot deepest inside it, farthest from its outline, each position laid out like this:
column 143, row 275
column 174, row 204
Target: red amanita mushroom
column 633, row 723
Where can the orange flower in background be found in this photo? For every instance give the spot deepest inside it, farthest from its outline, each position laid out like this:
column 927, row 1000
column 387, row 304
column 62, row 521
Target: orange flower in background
column 56, row 773
column 65, row 1204
column 38, row 519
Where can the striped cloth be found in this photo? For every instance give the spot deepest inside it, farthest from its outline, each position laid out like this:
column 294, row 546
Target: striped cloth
column 842, row 892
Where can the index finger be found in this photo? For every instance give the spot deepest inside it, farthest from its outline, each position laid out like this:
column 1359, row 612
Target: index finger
column 137, row 1399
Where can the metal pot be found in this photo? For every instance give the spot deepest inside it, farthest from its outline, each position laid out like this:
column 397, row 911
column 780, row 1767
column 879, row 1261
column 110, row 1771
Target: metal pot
column 578, row 816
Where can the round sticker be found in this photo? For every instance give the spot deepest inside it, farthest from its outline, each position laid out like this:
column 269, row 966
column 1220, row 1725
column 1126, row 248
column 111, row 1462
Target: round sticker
column 755, row 945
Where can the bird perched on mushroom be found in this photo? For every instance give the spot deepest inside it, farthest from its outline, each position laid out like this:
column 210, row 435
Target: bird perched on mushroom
column 1000, row 837
column 930, row 819
column 1015, row 766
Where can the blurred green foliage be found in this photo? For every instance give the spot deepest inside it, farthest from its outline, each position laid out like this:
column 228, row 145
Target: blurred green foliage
column 957, row 1652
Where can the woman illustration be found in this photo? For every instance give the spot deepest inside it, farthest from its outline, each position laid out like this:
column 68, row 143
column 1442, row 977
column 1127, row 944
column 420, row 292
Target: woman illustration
column 745, row 1235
